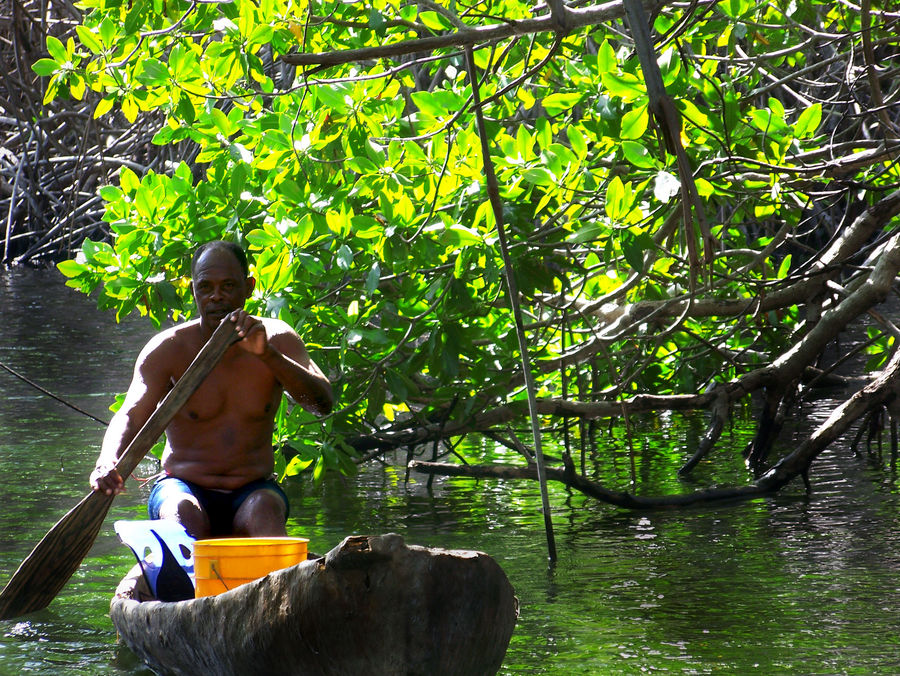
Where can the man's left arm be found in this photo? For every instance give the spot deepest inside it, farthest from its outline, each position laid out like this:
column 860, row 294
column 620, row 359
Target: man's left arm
column 300, row 376
column 283, row 352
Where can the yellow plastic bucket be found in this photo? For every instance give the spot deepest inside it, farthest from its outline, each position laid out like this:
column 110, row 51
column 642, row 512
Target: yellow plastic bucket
column 221, row 564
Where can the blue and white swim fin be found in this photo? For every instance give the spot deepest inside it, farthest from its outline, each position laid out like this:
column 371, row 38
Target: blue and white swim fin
column 165, row 552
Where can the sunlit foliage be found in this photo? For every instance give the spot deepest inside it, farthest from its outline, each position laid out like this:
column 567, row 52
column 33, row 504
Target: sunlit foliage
column 359, row 189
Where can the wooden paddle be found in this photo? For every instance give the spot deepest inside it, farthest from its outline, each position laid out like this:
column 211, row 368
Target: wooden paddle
column 55, row 559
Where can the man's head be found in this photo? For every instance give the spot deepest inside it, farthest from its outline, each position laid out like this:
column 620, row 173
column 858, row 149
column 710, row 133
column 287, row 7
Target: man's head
column 220, row 280
column 235, row 250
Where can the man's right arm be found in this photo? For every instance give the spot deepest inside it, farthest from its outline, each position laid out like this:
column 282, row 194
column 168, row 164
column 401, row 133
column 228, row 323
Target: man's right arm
column 148, row 386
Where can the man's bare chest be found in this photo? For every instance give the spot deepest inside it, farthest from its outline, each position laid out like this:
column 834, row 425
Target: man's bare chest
column 241, row 389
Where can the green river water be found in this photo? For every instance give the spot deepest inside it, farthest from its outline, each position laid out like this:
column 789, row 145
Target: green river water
column 793, row 584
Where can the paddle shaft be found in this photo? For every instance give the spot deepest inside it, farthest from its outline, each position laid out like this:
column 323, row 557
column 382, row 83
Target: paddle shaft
column 57, row 556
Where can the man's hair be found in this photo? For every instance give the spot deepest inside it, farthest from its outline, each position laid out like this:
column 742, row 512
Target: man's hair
column 231, row 247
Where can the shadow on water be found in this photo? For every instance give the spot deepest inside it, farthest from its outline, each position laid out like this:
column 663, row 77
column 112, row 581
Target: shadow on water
column 788, row 584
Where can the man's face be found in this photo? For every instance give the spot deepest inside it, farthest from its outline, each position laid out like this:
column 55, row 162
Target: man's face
column 219, row 285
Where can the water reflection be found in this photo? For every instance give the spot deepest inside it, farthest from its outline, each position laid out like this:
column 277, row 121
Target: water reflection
column 791, row 584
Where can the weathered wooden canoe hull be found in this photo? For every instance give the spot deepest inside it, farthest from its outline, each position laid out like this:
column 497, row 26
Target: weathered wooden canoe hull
column 372, row 605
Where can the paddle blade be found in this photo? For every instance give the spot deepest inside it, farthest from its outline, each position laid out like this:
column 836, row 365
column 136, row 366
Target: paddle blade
column 55, row 559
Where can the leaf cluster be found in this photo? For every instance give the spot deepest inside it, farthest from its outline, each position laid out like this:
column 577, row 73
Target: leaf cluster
column 359, row 191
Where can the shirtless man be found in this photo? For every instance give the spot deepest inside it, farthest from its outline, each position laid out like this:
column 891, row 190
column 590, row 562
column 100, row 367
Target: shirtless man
column 218, row 459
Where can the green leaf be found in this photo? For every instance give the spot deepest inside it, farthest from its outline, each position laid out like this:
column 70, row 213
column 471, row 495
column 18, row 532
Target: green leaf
column 455, row 236
column 57, row 50
column 435, row 21
column 438, row 103
column 153, row 72
column 319, row 470
column 784, row 268
column 366, row 227
column 88, row 39
column 563, row 102
column 168, row 294
column 263, row 239
column 485, row 213
column 373, row 279
column 110, row 193
column 460, row 236
column 333, row 96
column 732, row 109
column 377, row 22
column 606, row 58
column 239, row 179
column 736, row 8
column 77, row 87
column 625, row 86
column 291, row 191
column 524, row 143
column 539, row 176
column 304, row 231
column 669, row 66
column 71, row 268
column 240, row 153
column 104, row 105
column 634, row 122
column 577, row 141
column 704, row 188
column 298, row 465
column 616, row 207
column 186, row 108
column 361, row 165
column 809, row 121
column 768, row 122
column 633, row 248
column 167, row 135
column 276, row 139
column 45, row 67
column 145, row 203
column 638, row 155
column 397, row 384
column 344, row 258
column 108, row 31
column 588, row 233
column 692, row 113
column 261, row 35
column 98, row 253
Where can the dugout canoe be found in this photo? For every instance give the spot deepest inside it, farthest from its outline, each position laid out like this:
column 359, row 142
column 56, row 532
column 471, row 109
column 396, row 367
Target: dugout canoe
column 372, row 605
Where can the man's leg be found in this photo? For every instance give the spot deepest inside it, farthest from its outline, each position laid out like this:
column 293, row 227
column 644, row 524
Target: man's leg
column 262, row 513
column 172, row 499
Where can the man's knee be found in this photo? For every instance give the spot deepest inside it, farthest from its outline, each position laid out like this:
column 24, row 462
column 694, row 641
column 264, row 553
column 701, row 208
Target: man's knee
column 262, row 513
column 187, row 511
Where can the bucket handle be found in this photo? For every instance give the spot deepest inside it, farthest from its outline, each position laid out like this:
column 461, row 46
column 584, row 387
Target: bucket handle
column 212, row 567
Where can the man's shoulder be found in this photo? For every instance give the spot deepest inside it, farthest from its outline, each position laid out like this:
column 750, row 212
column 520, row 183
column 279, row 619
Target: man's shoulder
column 277, row 327
column 178, row 338
column 281, row 333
